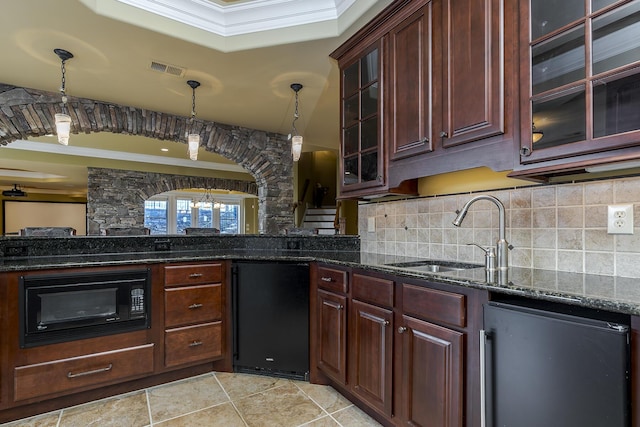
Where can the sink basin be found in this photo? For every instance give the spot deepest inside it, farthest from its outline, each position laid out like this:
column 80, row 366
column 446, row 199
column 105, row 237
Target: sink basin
column 432, row 266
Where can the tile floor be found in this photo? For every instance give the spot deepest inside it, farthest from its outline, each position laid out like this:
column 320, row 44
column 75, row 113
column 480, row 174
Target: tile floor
column 214, row 399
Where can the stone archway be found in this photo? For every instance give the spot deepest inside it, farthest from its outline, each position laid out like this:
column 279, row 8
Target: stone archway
column 28, row 113
column 116, row 197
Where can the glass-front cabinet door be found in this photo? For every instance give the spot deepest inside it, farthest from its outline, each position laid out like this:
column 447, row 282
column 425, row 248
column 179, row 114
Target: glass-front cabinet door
column 584, row 78
column 362, row 154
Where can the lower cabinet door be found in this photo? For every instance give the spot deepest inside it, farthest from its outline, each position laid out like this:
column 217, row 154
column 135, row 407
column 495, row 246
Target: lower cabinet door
column 192, row 344
column 332, row 339
column 69, row 375
column 432, row 379
column 371, row 354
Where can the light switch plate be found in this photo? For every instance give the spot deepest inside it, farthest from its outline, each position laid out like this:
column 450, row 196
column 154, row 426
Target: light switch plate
column 620, row 219
column 371, row 224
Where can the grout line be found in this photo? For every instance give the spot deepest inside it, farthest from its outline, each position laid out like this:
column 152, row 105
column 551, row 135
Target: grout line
column 146, row 394
column 235, row 408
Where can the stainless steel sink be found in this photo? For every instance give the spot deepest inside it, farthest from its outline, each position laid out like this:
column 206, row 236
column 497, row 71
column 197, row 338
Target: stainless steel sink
column 432, row 266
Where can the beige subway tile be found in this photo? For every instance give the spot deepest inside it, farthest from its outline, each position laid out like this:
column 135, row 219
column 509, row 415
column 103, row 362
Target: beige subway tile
column 595, row 216
column 543, row 238
column 598, row 193
column 598, row 240
column 520, row 218
column 599, row 263
column 571, row 217
column 571, row 238
column 520, row 198
column 627, row 190
column 544, row 259
column 571, row 261
column 627, row 264
column 544, row 218
column 543, row 197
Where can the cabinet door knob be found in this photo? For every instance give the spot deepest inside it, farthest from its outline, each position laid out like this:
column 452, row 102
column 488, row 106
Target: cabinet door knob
column 386, row 323
column 402, row 330
column 444, row 134
column 525, row 151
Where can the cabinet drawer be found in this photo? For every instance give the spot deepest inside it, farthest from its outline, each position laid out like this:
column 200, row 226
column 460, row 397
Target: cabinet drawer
column 432, row 304
column 372, row 289
column 192, row 304
column 332, row 280
column 69, row 375
column 175, row 275
column 193, row 343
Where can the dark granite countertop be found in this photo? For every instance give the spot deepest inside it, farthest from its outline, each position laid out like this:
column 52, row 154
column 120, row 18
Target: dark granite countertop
column 618, row 294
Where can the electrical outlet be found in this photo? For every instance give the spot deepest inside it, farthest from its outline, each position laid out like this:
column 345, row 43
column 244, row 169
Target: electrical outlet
column 620, row 219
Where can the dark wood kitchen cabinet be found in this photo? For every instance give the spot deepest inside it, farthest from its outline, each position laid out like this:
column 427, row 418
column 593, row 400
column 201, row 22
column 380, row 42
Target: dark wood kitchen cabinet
column 432, row 357
column 193, row 313
column 580, row 86
column 445, row 101
column 371, row 341
column 331, row 311
column 412, row 357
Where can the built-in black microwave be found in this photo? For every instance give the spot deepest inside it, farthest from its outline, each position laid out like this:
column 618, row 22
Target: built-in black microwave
column 64, row 307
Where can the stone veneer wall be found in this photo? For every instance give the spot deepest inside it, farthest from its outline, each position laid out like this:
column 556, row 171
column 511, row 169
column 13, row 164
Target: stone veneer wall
column 552, row 227
column 116, row 197
column 266, row 156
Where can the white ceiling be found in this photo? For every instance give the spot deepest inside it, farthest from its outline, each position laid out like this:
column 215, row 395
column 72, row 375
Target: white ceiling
column 245, row 53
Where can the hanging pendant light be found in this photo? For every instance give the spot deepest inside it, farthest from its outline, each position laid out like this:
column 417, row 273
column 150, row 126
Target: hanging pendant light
column 296, row 139
column 193, row 139
column 63, row 120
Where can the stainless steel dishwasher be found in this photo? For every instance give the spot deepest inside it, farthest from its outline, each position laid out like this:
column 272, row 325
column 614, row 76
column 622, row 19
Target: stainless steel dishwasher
column 271, row 318
column 548, row 368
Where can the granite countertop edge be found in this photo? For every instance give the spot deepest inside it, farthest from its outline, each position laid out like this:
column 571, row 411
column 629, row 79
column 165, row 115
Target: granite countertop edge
column 593, row 291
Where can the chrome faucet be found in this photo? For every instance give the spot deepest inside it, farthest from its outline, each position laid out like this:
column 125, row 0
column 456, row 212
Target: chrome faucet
column 502, row 246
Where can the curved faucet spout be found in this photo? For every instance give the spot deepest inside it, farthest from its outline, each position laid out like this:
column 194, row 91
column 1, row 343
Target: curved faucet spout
column 502, row 246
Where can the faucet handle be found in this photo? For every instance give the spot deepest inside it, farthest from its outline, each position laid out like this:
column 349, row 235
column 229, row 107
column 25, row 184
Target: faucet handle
column 490, row 259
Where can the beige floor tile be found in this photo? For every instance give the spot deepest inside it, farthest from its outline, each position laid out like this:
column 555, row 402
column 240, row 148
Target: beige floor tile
column 284, row 406
column 46, row 420
column 354, row 417
column 129, row 410
column 181, row 397
column 327, row 397
column 325, row 421
column 223, row 415
column 242, row 385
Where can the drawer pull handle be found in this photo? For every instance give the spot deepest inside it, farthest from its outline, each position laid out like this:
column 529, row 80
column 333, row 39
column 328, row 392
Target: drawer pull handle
column 95, row 371
column 195, row 344
column 194, row 306
column 195, row 275
column 402, row 330
column 326, row 279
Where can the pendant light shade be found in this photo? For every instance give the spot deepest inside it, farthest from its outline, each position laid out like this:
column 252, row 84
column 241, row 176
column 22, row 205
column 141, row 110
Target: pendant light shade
column 63, row 120
column 193, row 139
column 296, row 140
column 296, row 147
column 194, row 143
column 63, row 128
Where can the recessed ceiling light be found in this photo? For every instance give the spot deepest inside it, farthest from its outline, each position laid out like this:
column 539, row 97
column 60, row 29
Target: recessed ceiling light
column 164, row 149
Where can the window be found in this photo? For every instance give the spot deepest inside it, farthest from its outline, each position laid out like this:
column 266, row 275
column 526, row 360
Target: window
column 155, row 216
column 173, row 212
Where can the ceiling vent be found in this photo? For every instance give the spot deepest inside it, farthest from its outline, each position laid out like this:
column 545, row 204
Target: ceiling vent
column 174, row 70
column 14, row 192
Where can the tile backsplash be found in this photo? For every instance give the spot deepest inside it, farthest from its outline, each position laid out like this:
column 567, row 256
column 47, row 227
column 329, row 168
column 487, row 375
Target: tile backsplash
column 552, row 227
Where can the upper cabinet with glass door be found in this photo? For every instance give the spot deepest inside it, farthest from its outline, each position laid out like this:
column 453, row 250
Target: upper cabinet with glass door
column 582, row 97
column 362, row 155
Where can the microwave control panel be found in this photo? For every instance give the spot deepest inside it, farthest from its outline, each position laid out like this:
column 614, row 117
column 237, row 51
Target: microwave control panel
column 137, row 301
